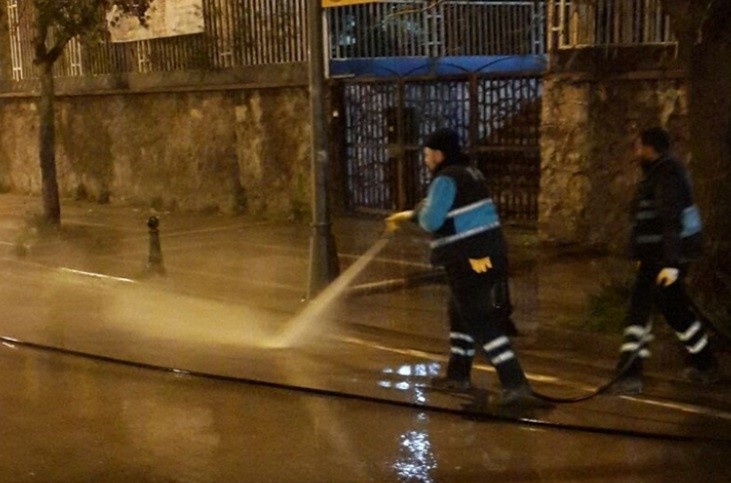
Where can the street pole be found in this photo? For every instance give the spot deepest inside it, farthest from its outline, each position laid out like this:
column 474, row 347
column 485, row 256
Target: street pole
column 323, row 254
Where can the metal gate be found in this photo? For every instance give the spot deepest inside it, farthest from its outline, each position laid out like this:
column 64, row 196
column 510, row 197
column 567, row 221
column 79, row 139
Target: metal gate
column 385, row 121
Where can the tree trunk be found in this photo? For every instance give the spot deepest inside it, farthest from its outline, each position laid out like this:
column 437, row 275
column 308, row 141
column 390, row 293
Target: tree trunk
column 46, row 111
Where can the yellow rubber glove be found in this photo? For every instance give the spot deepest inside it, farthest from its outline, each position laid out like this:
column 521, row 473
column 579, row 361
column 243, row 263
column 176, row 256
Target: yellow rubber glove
column 393, row 221
column 481, row 265
column 667, row 277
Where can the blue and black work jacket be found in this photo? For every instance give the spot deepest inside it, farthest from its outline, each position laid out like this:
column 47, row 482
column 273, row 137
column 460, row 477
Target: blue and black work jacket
column 463, row 218
column 666, row 223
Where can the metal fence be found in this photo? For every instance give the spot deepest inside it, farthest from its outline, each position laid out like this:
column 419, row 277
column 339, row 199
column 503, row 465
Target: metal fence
column 238, row 33
column 428, row 28
column 385, row 122
column 589, row 23
column 262, row 32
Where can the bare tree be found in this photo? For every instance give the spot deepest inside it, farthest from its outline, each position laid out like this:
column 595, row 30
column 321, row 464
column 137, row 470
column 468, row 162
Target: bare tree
column 55, row 23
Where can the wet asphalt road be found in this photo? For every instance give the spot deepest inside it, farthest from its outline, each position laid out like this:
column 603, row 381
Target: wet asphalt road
column 67, row 419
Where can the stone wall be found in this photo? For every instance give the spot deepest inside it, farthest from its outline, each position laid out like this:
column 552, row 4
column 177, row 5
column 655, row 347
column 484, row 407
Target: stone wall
column 587, row 170
column 219, row 150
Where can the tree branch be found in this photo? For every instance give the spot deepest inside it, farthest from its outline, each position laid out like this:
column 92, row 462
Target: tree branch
column 716, row 22
column 39, row 42
column 686, row 19
column 57, row 49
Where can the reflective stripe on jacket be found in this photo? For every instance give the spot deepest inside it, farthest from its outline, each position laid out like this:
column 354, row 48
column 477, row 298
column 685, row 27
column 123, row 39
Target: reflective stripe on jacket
column 666, row 223
column 459, row 212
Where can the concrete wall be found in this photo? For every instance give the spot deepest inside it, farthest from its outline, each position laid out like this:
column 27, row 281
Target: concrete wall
column 588, row 174
column 218, row 150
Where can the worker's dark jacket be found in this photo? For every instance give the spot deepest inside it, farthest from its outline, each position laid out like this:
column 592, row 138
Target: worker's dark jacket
column 459, row 212
column 666, row 223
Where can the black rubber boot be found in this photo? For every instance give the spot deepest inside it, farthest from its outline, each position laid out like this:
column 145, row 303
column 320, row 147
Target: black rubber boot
column 630, row 380
column 511, row 396
column 447, row 384
column 702, row 368
column 626, row 386
column 458, row 375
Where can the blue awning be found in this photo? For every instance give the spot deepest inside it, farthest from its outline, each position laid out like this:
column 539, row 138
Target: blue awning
column 442, row 66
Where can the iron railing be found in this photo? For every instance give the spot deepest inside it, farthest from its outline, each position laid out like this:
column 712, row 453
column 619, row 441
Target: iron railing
column 386, row 120
column 428, row 28
column 238, row 33
column 605, row 23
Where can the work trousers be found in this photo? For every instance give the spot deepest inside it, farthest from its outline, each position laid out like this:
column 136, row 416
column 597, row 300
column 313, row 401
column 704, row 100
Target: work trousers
column 478, row 307
column 675, row 306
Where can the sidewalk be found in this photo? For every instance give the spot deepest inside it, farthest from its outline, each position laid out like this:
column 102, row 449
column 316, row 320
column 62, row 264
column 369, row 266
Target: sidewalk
column 263, row 265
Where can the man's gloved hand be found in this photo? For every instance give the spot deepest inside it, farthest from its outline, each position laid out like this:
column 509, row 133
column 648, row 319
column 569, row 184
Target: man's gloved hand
column 393, row 221
column 667, row 277
column 481, row 265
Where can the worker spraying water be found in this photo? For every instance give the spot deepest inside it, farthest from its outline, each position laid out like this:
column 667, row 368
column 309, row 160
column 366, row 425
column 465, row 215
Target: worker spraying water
column 469, row 244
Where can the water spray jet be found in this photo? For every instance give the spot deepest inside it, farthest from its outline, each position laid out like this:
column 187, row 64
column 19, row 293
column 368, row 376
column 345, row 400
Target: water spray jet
column 305, row 325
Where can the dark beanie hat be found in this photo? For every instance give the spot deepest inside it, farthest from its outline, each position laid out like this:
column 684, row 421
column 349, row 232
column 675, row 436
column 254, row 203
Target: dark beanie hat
column 445, row 140
column 656, row 137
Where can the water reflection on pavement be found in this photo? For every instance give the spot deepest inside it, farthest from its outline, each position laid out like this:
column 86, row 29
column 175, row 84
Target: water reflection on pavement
column 70, row 419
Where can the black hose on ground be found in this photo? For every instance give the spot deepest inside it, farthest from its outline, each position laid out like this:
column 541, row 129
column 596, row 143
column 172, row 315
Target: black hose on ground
column 604, row 387
column 437, row 275
column 635, row 354
column 505, row 417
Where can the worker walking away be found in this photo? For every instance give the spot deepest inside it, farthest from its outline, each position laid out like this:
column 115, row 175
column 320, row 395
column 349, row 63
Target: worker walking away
column 468, row 242
column 666, row 237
